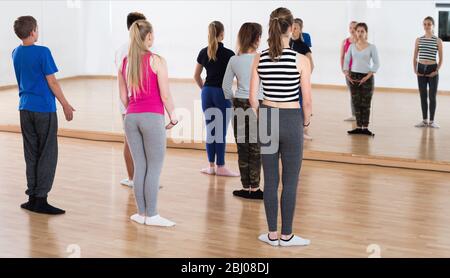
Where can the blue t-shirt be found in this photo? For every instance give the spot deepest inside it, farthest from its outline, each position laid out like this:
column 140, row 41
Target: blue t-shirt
column 32, row 64
column 307, row 39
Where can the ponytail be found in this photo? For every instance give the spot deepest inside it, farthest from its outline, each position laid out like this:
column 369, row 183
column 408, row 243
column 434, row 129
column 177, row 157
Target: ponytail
column 138, row 32
column 280, row 21
column 215, row 29
column 274, row 41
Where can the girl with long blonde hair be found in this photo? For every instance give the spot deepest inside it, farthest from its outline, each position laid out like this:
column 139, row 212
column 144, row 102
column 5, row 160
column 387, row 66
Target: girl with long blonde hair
column 144, row 91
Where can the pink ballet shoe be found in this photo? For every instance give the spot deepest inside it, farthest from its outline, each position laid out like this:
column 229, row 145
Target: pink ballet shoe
column 208, row 171
column 223, row 171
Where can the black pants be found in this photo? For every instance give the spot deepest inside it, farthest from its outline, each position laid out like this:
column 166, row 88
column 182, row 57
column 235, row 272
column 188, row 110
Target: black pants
column 40, row 145
column 424, row 83
column 245, row 128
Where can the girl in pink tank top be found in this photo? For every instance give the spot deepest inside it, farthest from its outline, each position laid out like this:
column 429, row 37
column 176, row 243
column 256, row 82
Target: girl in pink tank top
column 148, row 98
column 346, row 47
column 144, row 91
column 347, row 42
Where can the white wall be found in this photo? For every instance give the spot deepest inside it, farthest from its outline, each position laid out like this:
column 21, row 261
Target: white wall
column 59, row 28
column 10, row 10
column 104, row 31
column 98, row 28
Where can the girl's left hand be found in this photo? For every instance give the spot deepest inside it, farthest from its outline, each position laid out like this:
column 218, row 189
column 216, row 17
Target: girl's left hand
column 171, row 124
column 255, row 111
column 433, row 74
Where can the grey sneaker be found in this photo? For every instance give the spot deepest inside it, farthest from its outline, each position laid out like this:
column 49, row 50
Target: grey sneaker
column 433, row 125
column 423, row 123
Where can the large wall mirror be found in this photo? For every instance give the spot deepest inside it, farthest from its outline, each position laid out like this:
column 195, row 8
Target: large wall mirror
column 85, row 35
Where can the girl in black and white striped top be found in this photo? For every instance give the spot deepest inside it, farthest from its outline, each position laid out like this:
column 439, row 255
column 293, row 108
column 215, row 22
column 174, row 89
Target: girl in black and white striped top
column 428, row 48
column 280, row 68
column 282, row 89
column 426, row 67
column 280, row 77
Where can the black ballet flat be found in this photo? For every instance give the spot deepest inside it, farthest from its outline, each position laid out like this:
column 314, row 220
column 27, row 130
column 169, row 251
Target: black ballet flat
column 355, row 131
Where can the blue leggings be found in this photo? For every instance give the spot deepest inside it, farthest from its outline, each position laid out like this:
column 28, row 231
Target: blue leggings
column 213, row 97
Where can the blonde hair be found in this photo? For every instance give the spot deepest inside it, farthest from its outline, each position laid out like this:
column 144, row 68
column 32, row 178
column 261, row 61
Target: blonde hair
column 215, row 29
column 138, row 32
column 280, row 21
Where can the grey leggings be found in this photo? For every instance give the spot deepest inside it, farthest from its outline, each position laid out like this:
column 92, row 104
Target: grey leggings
column 290, row 149
column 146, row 137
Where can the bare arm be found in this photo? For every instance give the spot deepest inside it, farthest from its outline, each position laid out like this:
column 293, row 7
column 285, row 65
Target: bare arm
column 309, row 55
column 163, row 82
column 342, row 55
column 441, row 54
column 197, row 75
column 57, row 91
column 254, row 84
column 304, row 68
column 416, row 54
column 123, row 89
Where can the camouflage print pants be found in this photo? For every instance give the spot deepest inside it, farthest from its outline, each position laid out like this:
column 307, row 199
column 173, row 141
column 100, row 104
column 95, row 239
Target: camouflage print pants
column 362, row 98
column 249, row 151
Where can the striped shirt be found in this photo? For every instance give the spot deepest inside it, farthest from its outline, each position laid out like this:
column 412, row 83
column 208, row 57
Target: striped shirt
column 428, row 48
column 280, row 78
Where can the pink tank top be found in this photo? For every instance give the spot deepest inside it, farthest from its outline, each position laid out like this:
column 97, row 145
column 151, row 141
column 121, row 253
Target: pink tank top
column 148, row 98
column 346, row 47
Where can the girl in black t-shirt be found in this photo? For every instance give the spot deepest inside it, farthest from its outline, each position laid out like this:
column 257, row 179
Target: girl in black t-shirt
column 214, row 58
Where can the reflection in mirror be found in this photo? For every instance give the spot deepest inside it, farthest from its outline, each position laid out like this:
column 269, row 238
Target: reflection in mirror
column 84, row 37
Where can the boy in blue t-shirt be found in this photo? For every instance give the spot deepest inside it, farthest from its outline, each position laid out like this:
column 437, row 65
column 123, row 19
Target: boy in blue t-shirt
column 35, row 73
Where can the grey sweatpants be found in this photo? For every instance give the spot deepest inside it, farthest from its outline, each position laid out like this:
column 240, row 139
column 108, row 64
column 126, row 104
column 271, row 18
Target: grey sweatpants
column 146, row 136
column 290, row 150
column 40, row 146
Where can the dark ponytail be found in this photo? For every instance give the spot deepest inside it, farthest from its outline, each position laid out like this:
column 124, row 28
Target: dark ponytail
column 280, row 21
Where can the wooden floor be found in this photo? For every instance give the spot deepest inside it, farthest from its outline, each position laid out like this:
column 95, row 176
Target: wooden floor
column 342, row 208
column 393, row 118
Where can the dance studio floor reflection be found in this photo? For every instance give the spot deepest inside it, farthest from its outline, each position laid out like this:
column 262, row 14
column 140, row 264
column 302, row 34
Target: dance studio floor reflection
column 393, row 118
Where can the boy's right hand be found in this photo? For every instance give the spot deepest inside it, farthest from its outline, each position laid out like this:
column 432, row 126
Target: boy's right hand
column 68, row 112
